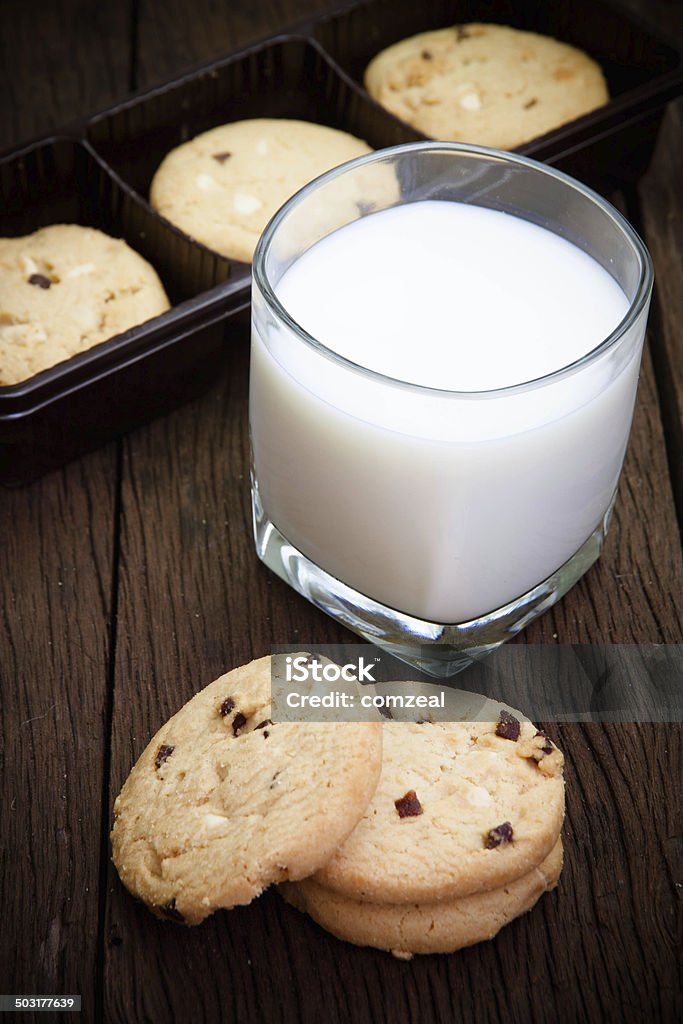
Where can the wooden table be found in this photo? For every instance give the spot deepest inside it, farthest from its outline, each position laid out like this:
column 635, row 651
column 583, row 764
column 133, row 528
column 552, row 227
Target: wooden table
column 128, row 581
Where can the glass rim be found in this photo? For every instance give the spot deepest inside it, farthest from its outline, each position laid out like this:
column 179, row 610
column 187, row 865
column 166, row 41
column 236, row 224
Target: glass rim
column 636, row 305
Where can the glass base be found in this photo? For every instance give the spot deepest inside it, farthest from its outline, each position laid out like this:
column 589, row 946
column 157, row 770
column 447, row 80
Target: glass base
column 438, row 649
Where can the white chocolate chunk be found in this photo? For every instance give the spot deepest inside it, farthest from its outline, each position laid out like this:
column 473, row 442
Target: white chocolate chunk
column 478, row 796
column 246, row 203
column 29, row 265
column 214, row 820
column 204, row 182
column 470, row 101
column 81, row 269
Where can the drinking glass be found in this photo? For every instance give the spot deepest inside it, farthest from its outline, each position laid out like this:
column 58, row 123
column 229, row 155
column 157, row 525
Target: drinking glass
column 437, row 523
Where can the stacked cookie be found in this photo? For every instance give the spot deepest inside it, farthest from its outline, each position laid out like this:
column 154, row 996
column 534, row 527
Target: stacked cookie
column 411, row 837
column 461, row 836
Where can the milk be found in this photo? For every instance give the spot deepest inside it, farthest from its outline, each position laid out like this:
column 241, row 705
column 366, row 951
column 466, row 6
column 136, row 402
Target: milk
column 443, row 506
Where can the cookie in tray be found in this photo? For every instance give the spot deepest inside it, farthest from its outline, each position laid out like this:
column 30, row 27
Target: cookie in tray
column 485, row 84
column 65, row 288
column 223, row 186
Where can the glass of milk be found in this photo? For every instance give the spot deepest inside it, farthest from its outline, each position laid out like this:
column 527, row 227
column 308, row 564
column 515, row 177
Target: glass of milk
column 445, row 354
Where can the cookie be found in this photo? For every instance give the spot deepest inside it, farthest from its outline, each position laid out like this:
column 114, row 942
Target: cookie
column 223, row 187
column 459, row 808
column 485, row 84
column 222, row 802
column 64, row 289
column 441, row 927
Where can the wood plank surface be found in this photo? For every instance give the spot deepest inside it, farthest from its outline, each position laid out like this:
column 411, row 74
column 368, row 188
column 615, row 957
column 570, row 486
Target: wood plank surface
column 158, row 541
column 55, row 602
column 60, row 60
column 190, row 521
column 662, row 216
column 175, row 35
column 632, row 594
column 56, row 578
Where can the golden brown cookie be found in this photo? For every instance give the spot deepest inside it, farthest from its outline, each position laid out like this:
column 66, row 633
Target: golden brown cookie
column 64, row 289
column 459, row 808
column 223, row 186
column 223, row 802
column 485, row 84
column 441, row 927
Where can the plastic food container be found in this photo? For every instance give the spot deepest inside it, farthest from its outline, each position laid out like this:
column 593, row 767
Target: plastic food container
column 98, row 172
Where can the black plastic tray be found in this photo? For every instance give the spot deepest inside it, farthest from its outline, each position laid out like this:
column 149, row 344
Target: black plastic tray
column 87, row 400
column 98, row 172
column 607, row 146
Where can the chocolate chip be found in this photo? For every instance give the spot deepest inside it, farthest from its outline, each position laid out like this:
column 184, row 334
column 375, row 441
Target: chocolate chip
column 222, row 157
column 547, row 747
column 461, row 33
column 499, row 834
column 163, row 754
column 508, row 726
column 264, row 723
column 40, row 280
column 226, row 707
column 426, row 55
column 266, row 734
column 169, row 909
column 530, row 104
column 385, row 712
column 238, row 722
column 408, row 806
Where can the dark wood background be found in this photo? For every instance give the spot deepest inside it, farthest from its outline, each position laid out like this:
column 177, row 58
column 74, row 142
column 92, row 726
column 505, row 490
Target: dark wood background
column 128, row 581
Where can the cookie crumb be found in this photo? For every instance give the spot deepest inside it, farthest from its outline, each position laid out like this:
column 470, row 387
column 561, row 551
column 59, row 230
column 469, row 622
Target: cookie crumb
column 499, row 834
column 508, row 726
column 530, row 103
column 408, row 806
column 163, row 754
column 226, row 707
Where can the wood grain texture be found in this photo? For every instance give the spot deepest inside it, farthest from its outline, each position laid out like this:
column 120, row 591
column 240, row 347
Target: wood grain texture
column 632, row 594
column 60, row 60
column 175, row 35
column 662, row 217
column 166, row 551
column 56, row 575
column 55, row 589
